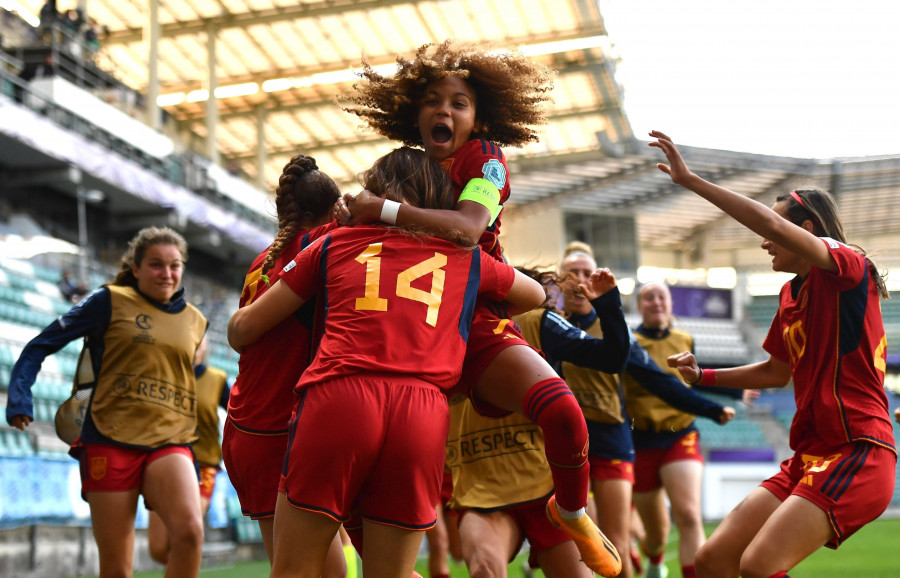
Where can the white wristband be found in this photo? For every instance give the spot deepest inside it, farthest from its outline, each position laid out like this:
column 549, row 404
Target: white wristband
column 389, row 212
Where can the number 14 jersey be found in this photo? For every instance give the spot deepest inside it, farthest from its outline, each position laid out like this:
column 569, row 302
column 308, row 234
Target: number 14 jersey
column 394, row 302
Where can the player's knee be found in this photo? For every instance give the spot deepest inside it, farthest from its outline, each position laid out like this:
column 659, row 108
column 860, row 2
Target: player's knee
column 159, row 552
column 754, row 566
column 708, row 565
column 187, row 532
column 686, row 517
column 483, row 564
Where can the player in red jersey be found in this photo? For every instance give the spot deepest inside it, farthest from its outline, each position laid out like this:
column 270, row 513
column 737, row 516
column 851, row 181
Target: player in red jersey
column 255, row 436
column 459, row 102
column 828, row 337
column 399, row 308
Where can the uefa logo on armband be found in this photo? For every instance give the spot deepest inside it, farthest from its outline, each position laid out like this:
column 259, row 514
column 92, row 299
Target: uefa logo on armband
column 495, row 172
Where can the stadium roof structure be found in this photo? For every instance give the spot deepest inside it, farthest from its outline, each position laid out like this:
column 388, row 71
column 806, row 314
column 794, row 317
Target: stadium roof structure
column 281, row 63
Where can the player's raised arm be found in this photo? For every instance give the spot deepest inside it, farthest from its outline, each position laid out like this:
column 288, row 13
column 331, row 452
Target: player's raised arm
column 754, row 215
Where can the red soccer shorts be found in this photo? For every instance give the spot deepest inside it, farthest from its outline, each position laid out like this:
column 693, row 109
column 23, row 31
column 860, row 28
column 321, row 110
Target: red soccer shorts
column 119, row 469
column 376, row 441
column 648, row 462
column 852, row 483
column 207, row 481
column 491, row 332
column 254, row 463
column 531, row 518
column 606, row 469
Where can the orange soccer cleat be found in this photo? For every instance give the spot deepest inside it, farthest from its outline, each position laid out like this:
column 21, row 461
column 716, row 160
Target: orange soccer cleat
column 597, row 552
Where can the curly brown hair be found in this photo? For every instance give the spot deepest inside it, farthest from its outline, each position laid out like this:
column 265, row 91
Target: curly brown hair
column 304, row 194
column 510, row 92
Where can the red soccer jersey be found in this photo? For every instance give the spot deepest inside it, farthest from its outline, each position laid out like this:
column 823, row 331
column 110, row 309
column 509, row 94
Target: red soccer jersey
column 481, row 159
column 262, row 396
column 395, row 303
column 829, row 328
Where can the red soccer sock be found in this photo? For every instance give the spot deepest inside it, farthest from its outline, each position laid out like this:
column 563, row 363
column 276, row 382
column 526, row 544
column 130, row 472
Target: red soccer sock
column 688, row 571
column 780, row 575
column 551, row 405
column 636, row 563
column 655, row 559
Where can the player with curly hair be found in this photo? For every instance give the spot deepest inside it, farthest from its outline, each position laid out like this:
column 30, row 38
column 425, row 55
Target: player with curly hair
column 459, row 102
column 378, row 400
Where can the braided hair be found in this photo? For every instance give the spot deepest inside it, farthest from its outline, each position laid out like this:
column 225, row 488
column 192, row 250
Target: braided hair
column 304, row 194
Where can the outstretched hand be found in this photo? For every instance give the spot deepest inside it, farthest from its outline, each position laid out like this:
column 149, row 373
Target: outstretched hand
column 601, row 281
column 677, row 169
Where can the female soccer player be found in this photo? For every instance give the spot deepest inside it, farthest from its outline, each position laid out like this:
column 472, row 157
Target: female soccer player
column 459, row 102
column 668, row 468
column 255, row 436
column 398, row 314
column 501, row 480
column 828, row 337
column 141, row 337
column 601, row 396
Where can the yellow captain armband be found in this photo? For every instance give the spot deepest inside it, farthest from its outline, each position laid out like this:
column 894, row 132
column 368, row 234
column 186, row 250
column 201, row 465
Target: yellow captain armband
column 483, row 192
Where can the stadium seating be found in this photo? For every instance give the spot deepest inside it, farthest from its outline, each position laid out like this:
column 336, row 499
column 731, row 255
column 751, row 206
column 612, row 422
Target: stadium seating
column 740, row 433
column 761, row 310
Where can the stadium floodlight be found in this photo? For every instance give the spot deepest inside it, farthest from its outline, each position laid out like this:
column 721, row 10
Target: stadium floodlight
column 170, row 99
column 626, row 285
column 721, row 277
column 197, row 95
column 232, row 90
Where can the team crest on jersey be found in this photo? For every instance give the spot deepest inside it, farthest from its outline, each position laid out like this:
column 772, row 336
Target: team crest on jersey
column 98, row 468
column 143, row 321
column 832, row 243
column 495, row 172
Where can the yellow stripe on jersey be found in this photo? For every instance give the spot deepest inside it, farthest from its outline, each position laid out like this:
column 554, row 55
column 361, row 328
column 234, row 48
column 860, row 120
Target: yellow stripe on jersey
column 251, row 284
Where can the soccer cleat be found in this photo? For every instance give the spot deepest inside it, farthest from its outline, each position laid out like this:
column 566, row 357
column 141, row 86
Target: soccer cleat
column 597, row 552
column 416, row 574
